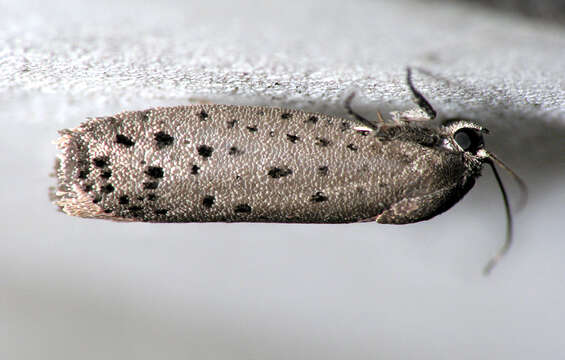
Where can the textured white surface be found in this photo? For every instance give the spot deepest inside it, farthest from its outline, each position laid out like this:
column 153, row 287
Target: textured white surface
column 72, row 288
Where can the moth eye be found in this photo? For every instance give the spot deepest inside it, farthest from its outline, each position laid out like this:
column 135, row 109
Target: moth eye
column 468, row 139
column 462, row 139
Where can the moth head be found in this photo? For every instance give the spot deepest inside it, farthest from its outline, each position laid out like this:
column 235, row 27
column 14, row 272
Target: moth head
column 467, row 137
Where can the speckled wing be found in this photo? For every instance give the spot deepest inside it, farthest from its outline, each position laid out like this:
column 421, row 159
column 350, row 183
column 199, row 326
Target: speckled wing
column 227, row 163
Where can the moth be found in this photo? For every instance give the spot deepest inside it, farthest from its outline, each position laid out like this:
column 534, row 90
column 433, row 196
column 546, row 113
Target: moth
column 226, row 163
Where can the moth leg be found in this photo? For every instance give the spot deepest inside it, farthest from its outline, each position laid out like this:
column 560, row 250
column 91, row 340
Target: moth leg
column 419, row 99
column 380, row 118
column 418, row 208
column 350, row 110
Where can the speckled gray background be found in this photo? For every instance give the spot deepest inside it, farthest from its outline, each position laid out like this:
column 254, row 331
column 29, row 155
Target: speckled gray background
column 73, row 288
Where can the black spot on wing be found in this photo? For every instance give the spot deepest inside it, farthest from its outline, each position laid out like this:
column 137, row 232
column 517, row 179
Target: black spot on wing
column 242, row 209
column 318, row 197
column 155, row 172
column 323, row 170
column 163, row 139
column 205, row 151
column 352, row 147
column 124, row 140
column 279, row 172
column 234, row 151
column 194, row 170
column 312, row 119
column 100, row 162
column 83, row 174
column 106, row 189
column 322, row 142
column 292, row 138
column 208, row 201
column 203, row 115
column 152, row 185
column 106, row 174
column 123, row 200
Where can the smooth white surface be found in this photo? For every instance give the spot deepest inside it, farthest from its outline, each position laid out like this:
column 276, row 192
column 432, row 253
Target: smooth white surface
column 73, row 288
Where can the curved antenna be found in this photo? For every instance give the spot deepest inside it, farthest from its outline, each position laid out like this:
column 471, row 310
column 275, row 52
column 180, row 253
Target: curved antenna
column 361, row 119
column 508, row 242
column 419, row 99
column 519, row 181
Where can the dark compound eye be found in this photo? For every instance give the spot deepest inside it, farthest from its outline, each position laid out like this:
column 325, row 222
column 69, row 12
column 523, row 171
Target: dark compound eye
column 463, row 139
column 468, row 139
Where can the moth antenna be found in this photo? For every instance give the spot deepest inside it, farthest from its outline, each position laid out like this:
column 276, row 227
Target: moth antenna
column 361, row 119
column 508, row 242
column 518, row 179
column 419, row 99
